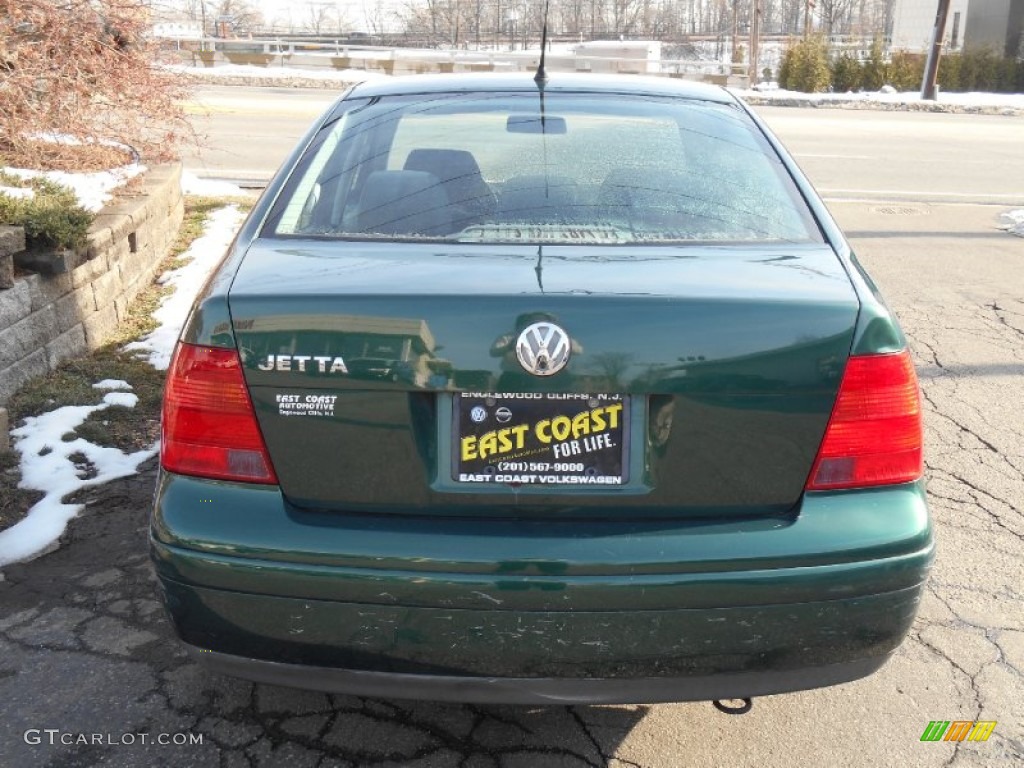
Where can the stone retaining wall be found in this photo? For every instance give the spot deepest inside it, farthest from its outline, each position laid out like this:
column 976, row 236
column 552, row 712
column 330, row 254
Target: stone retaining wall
column 12, row 241
column 45, row 319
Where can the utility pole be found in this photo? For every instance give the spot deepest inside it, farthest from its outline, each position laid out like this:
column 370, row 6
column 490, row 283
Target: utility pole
column 931, row 67
column 735, row 31
column 202, row 35
column 755, row 40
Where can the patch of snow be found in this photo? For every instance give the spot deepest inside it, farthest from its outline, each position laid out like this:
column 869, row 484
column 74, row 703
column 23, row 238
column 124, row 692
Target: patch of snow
column 889, row 95
column 112, row 384
column 206, row 252
column 125, row 399
column 45, row 462
column 93, row 190
column 1013, row 222
column 18, row 192
column 280, row 73
column 193, row 185
column 74, row 141
column 46, row 466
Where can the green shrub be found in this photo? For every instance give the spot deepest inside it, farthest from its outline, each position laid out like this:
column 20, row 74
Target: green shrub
column 874, row 68
column 905, row 71
column 972, row 70
column 1006, row 76
column 805, row 67
column 52, row 218
column 785, row 69
column 979, row 70
column 847, row 73
column 949, row 73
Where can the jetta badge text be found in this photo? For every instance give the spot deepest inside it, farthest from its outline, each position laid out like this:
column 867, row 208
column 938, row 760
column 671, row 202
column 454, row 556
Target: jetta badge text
column 543, row 349
column 303, row 363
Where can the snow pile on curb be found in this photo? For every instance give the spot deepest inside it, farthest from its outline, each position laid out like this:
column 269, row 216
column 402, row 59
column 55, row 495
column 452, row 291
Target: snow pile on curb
column 206, row 252
column 288, row 77
column 277, row 73
column 193, row 185
column 888, row 98
column 1013, row 222
column 93, row 190
column 46, row 466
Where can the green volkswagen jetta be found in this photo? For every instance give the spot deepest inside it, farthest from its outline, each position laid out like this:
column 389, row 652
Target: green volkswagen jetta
column 568, row 391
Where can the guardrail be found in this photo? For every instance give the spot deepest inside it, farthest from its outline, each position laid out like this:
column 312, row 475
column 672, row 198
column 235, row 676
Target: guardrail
column 403, row 61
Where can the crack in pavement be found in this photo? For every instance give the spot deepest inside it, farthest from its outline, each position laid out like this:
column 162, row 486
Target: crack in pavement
column 72, row 609
column 963, row 460
column 88, row 614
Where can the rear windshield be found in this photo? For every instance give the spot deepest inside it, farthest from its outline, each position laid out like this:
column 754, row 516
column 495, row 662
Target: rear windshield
column 507, row 167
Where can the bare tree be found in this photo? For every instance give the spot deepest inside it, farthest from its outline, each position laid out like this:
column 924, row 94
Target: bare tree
column 83, row 69
column 457, row 21
column 376, row 18
column 835, row 15
column 322, row 17
column 244, row 15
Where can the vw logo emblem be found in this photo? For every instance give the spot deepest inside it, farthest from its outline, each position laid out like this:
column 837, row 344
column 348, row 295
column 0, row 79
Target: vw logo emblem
column 543, row 349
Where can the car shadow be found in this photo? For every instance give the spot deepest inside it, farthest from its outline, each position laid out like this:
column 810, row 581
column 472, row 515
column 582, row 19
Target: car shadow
column 91, row 673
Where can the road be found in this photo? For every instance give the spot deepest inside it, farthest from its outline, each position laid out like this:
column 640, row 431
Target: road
column 848, row 154
column 84, row 647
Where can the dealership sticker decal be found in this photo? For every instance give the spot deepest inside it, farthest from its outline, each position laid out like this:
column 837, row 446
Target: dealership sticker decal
column 305, row 404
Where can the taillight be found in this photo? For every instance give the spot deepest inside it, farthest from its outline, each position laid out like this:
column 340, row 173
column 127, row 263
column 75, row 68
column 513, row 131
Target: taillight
column 209, row 426
column 874, row 436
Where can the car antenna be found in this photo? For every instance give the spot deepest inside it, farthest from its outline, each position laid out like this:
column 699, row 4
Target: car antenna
column 542, row 76
column 541, row 79
column 539, row 268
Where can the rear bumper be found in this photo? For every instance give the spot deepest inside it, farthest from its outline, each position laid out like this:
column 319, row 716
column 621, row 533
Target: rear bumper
column 541, row 612
column 524, row 658
column 535, row 690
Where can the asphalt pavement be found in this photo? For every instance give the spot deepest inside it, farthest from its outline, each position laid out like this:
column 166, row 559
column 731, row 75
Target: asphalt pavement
column 86, row 654
column 849, row 154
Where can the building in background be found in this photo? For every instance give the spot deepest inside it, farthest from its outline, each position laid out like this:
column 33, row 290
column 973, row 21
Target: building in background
column 178, row 30
column 996, row 24
column 913, row 21
column 973, row 24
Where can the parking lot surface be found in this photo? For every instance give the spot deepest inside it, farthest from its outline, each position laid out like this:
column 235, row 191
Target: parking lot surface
column 89, row 670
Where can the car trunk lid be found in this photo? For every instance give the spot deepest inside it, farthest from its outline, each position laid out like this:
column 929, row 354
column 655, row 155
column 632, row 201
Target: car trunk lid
column 726, row 360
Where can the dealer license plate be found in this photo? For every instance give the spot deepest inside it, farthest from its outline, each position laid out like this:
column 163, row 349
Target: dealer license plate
column 535, row 438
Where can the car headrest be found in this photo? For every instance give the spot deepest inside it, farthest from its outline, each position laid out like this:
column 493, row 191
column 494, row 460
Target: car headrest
column 459, row 173
column 404, row 203
column 446, row 164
